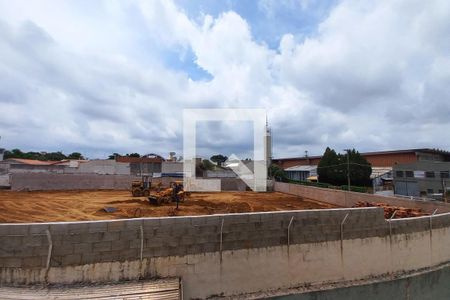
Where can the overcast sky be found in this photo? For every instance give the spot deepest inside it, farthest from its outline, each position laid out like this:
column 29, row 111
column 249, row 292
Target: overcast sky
column 114, row 76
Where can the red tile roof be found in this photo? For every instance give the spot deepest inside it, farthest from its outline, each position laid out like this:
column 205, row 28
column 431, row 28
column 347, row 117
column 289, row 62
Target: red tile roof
column 32, row 161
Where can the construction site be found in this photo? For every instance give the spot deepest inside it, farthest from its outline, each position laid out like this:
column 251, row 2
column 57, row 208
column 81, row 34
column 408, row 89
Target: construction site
column 60, row 206
column 204, row 244
column 143, row 200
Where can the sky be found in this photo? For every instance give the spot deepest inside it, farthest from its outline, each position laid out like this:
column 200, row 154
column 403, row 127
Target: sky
column 99, row 77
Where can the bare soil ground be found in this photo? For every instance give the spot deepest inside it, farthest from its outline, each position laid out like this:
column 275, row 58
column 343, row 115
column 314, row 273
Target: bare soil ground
column 89, row 205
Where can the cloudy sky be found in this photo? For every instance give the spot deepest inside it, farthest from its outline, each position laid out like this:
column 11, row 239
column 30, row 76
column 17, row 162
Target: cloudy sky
column 114, row 76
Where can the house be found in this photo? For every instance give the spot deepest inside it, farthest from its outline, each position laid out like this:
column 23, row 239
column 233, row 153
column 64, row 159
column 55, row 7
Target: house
column 21, row 165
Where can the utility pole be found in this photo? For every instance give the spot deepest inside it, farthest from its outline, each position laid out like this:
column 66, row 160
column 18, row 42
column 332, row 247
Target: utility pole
column 348, row 169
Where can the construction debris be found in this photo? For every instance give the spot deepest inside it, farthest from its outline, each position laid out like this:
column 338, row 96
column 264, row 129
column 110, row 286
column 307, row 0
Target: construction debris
column 110, row 209
column 390, row 211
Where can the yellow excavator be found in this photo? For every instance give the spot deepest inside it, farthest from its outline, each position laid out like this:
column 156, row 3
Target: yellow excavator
column 141, row 188
column 174, row 193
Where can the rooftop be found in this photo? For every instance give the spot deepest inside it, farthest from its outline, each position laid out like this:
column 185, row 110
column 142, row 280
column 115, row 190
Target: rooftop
column 383, row 152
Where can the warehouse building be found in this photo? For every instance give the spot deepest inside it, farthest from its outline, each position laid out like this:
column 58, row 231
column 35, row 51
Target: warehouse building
column 422, row 178
column 376, row 159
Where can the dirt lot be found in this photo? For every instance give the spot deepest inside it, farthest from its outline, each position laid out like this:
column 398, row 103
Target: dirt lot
column 88, row 205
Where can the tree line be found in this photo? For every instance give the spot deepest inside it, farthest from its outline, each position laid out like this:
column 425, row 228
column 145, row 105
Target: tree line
column 44, row 156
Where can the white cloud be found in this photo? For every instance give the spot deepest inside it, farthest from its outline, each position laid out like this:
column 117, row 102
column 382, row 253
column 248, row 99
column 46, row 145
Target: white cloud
column 374, row 75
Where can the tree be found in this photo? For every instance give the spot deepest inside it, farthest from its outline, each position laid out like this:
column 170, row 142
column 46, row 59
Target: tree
column 277, row 173
column 219, row 159
column 329, row 170
column 360, row 168
column 75, row 155
column 333, row 168
column 113, row 156
column 134, row 155
column 44, row 156
column 207, row 165
column 55, row 156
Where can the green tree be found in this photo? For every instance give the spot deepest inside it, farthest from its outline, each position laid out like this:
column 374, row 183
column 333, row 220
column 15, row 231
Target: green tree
column 207, row 165
column 55, row 156
column 276, row 172
column 75, row 155
column 329, row 170
column 219, row 159
column 333, row 168
column 134, row 155
column 360, row 168
column 113, row 156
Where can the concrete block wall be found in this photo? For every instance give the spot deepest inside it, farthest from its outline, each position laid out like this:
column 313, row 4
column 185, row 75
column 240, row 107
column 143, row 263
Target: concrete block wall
column 256, row 256
column 43, row 181
column 348, row 199
column 80, row 243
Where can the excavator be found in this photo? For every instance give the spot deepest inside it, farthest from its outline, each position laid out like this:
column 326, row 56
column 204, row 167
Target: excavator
column 174, row 193
column 141, row 188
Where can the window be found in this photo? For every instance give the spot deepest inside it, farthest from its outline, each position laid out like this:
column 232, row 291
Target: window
column 430, row 191
column 445, row 174
column 429, row 174
column 409, row 174
column 399, row 173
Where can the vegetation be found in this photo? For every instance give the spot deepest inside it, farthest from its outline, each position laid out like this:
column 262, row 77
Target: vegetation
column 113, row 156
column 277, row 173
column 219, row 159
column 207, row 165
column 44, row 156
column 333, row 168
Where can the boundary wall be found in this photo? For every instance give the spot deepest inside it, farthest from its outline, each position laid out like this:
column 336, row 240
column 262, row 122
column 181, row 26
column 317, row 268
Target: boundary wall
column 48, row 182
column 45, row 182
column 226, row 255
column 52, row 181
column 348, row 199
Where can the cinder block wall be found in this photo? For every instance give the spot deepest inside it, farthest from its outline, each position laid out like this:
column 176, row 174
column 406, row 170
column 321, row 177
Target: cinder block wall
column 42, row 181
column 348, row 199
column 78, row 243
column 253, row 246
